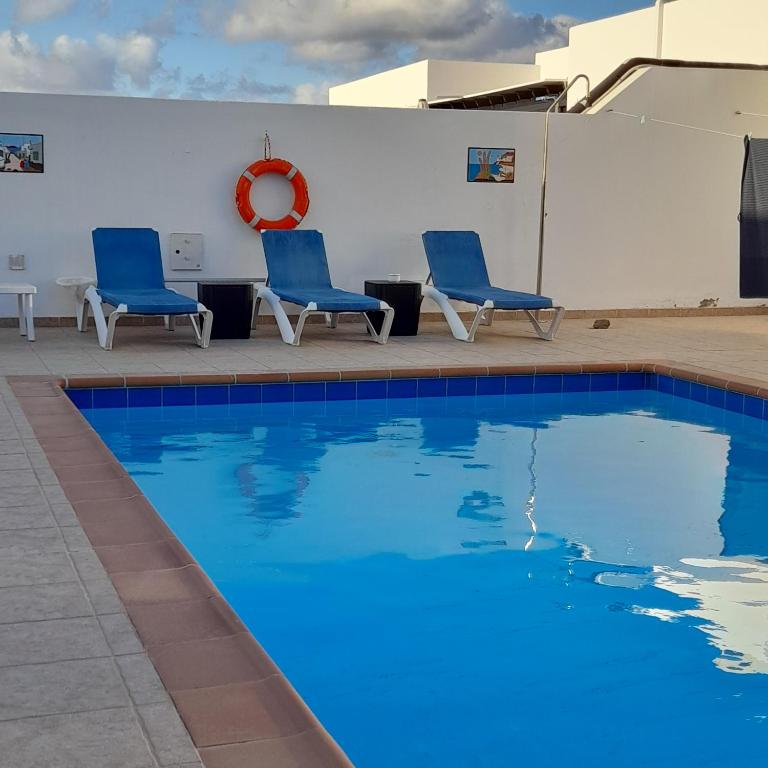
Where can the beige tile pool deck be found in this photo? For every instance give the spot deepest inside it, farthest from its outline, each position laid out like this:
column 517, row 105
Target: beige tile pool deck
column 78, row 687
column 737, row 345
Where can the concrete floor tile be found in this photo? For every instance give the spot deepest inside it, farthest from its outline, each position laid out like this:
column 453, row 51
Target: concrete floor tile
column 64, row 514
column 33, row 690
column 19, row 569
column 11, row 446
column 38, row 516
column 35, row 642
column 168, row 736
column 142, row 680
column 38, row 461
column 102, row 595
column 43, row 602
column 31, row 541
column 46, row 476
column 22, row 497
column 120, row 634
column 108, row 739
column 14, row 461
column 53, row 494
column 75, row 539
column 88, row 564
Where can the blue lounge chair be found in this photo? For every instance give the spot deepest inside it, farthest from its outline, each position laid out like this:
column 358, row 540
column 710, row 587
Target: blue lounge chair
column 458, row 271
column 297, row 270
column 129, row 273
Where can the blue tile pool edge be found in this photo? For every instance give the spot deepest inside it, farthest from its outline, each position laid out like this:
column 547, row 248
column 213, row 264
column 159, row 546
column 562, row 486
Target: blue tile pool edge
column 420, row 387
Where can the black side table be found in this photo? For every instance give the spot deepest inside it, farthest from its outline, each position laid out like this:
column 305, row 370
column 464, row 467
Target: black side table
column 404, row 296
column 232, row 307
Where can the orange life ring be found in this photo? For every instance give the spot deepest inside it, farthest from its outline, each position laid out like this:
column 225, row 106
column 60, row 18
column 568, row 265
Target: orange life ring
column 300, row 194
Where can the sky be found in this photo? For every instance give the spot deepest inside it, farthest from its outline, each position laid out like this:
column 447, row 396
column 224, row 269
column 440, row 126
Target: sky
column 264, row 50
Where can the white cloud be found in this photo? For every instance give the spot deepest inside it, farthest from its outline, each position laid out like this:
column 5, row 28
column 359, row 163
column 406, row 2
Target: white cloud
column 73, row 65
column 311, row 93
column 30, row 11
column 110, row 64
column 135, row 55
column 368, row 32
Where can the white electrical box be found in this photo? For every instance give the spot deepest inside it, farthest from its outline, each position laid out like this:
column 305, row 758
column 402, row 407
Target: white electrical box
column 186, row 251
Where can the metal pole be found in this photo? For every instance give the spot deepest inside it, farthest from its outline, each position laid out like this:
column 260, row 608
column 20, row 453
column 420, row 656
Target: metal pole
column 659, row 27
column 542, row 211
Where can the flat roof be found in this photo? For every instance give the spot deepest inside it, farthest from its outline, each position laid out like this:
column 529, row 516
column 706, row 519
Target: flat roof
column 509, row 94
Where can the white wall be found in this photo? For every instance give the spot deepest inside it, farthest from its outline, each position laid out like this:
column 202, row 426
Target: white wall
column 596, row 49
column 704, row 98
column 451, row 79
column 733, row 31
column 400, row 87
column 431, row 79
column 716, row 30
column 553, row 64
column 638, row 215
column 377, row 178
column 659, row 213
column 655, row 223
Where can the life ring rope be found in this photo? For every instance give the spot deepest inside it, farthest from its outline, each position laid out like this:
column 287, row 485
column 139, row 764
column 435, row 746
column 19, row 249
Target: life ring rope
column 283, row 168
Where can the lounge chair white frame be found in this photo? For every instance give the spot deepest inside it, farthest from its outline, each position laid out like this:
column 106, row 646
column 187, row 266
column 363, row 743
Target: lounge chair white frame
column 105, row 325
column 293, row 337
column 484, row 316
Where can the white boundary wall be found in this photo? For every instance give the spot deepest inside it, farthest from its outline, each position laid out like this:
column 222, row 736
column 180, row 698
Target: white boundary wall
column 649, row 219
column 639, row 216
column 377, row 178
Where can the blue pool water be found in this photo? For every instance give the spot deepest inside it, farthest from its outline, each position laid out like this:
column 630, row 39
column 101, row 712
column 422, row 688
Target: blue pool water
column 540, row 580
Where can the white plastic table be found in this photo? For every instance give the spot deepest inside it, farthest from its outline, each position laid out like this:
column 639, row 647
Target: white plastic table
column 24, row 293
column 80, row 285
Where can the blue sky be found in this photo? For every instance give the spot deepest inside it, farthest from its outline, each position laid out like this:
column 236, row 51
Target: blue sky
column 263, row 50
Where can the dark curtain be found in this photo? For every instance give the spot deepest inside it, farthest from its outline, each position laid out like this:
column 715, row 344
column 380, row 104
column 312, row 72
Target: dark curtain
column 754, row 220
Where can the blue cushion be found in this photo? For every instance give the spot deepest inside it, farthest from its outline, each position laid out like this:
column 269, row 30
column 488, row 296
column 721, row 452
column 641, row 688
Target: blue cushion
column 502, row 299
column 296, row 259
column 128, row 258
column 160, row 301
column 329, row 299
column 455, row 258
column 298, row 272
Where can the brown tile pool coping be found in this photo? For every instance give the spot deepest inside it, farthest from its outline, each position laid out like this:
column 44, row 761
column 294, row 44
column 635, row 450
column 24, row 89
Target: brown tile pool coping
column 239, row 708
column 742, row 384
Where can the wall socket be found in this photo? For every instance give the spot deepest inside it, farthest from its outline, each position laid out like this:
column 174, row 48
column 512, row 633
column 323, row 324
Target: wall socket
column 16, row 261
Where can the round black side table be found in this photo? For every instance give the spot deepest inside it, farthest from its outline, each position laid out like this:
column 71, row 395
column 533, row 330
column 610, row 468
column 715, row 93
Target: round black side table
column 404, row 296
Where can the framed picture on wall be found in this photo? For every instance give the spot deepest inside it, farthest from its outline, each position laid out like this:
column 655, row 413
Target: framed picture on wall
column 491, row 164
column 21, row 153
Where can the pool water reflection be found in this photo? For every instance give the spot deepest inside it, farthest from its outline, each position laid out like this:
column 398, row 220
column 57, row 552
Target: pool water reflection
column 482, row 581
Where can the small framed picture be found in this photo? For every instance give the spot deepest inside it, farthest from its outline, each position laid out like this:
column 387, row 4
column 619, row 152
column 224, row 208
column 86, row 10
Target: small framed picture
column 491, row 164
column 21, row 153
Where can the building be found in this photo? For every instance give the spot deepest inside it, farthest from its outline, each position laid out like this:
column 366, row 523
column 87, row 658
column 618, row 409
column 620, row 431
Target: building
column 702, row 31
column 435, row 83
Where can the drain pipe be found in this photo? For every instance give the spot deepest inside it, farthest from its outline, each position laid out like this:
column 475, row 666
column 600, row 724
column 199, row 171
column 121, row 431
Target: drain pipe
column 542, row 211
column 660, row 27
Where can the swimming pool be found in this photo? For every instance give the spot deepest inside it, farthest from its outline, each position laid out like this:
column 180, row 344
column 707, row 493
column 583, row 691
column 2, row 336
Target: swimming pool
column 477, row 581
